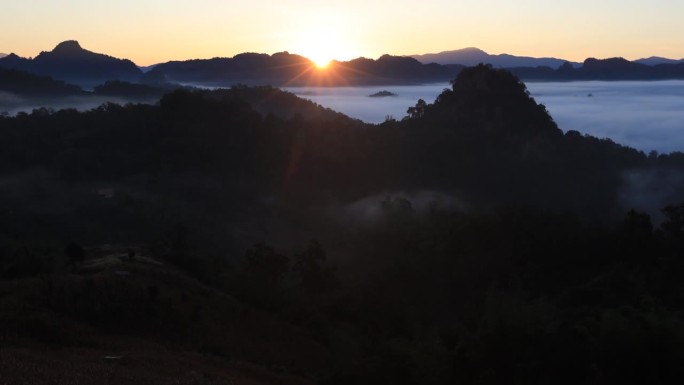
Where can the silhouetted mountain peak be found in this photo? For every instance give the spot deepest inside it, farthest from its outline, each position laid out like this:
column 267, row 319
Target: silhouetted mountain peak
column 612, row 60
column 471, row 56
column 251, row 56
column 471, row 50
column 71, row 63
column 69, row 46
column 397, row 59
column 13, row 61
column 69, row 50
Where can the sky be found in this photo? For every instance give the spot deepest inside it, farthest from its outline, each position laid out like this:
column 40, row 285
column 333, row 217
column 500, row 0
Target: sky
column 154, row 31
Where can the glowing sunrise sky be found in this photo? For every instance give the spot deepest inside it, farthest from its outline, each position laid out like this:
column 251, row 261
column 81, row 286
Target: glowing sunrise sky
column 153, row 31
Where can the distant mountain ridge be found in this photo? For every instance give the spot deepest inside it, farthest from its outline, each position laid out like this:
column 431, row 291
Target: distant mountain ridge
column 603, row 69
column 655, row 60
column 472, row 56
column 71, row 63
column 285, row 69
column 2, row 55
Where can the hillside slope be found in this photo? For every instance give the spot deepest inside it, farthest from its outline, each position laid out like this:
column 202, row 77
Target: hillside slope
column 141, row 320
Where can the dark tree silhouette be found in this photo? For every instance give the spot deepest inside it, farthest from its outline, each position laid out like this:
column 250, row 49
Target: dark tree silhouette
column 75, row 253
column 418, row 110
column 265, row 265
column 314, row 277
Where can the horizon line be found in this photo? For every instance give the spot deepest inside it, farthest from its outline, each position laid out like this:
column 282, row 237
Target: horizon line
column 361, row 56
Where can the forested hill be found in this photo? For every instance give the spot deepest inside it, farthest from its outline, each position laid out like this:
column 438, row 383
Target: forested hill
column 29, row 85
column 472, row 241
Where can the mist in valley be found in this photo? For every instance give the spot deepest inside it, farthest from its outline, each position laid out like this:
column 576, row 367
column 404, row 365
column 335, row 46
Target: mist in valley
column 646, row 115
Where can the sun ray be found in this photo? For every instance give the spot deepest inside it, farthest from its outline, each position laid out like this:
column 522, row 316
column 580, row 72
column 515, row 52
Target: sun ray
column 323, row 42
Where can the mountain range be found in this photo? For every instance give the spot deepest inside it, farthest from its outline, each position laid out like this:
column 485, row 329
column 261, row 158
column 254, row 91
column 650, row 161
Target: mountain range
column 655, row 60
column 473, row 56
column 603, row 69
column 71, row 63
column 285, row 69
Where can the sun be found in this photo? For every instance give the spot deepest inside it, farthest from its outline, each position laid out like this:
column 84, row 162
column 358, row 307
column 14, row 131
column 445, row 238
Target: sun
column 322, row 46
column 317, row 47
column 321, row 62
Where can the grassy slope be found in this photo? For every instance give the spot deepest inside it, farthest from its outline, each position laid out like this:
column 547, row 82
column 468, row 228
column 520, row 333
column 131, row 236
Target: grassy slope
column 159, row 325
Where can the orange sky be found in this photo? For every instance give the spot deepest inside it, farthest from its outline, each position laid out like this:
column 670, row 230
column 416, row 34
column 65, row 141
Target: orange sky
column 152, row 31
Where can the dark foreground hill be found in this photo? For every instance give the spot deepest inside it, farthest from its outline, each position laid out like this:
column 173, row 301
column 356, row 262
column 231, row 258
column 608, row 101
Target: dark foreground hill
column 71, row 63
column 140, row 320
column 471, row 242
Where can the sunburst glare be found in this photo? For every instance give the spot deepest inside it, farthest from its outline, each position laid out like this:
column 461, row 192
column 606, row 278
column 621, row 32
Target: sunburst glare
column 322, row 45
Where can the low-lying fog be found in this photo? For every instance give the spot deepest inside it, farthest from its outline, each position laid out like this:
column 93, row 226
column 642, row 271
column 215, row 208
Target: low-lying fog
column 12, row 104
column 647, row 115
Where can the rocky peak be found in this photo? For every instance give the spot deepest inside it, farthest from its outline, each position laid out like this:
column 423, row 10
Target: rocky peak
column 69, row 46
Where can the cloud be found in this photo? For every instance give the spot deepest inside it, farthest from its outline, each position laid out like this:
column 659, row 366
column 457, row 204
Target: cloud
column 14, row 104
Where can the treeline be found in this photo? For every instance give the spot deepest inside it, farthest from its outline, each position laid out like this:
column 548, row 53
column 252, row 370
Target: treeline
column 28, row 87
column 23, row 83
